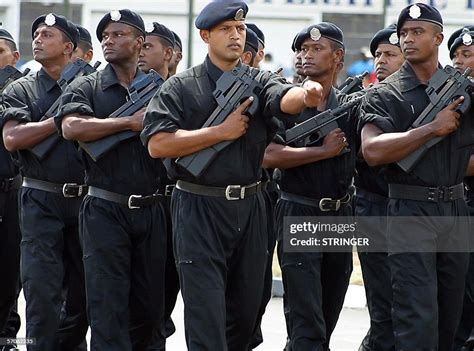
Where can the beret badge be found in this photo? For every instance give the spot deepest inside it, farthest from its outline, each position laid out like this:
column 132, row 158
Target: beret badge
column 50, row 20
column 115, row 15
column 415, row 12
column 315, row 34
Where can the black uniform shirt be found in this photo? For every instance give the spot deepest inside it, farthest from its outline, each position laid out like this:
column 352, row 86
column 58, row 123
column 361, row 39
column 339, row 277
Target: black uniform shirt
column 127, row 169
column 26, row 100
column 185, row 101
column 392, row 106
column 330, row 177
column 7, row 167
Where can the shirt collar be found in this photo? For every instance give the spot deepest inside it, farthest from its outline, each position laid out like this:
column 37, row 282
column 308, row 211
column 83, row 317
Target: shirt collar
column 48, row 82
column 109, row 78
column 213, row 71
column 408, row 79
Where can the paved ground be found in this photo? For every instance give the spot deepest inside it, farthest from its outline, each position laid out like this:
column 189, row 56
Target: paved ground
column 352, row 326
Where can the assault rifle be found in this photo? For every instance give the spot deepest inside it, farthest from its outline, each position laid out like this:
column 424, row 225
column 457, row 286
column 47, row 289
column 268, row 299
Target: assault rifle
column 70, row 72
column 140, row 93
column 445, row 85
column 313, row 129
column 353, row 84
column 232, row 88
column 8, row 74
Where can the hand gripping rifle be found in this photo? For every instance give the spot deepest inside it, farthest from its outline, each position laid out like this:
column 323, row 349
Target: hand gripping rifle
column 445, row 85
column 8, row 74
column 140, row 93
column 232, row 88
column 70, row 72
column 307, row 133
column 353, row 84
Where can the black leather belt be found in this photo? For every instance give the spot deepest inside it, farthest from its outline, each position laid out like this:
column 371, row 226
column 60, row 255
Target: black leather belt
column 9, row 184
column 166, row 190
column 67, row 190
column 230, row 192
column 369, row 196
column 131, row 201
column 424, row 193
column 325, row 204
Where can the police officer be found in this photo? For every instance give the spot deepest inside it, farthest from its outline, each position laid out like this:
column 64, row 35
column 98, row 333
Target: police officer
column 299, row 76
column 260, row 55
column 316, row 282
column 427, row 286
column 156, row 54
column 251, row 48
column 84, row 49
column 461, row 52
column 371, row 199
column 50, row 195
column 177, row 55
column 219, row 219
column 10, row 181
column 123, row 226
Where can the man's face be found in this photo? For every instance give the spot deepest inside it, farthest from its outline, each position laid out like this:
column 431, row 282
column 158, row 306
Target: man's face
column 48, row 43
column 388, row 59
column 299, row 63
column 7, row 56
column 464, row 58
column 175, row 59
column 152, row 55
column 79, row 53
column 226, row 40
column 119, row 42
column 419, row 41
column 318, row 58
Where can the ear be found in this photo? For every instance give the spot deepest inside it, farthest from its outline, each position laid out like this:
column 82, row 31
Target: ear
column 246, row 57
column 88, row 56
column 140, row 41
column 205, row 34
column 339, row 56
column 68, row 48
column 168, row 53
column 439, row 38
column 16, row 56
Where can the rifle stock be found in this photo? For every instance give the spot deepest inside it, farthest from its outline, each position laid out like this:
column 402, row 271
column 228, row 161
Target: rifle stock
column 141, row 92
column 232, row 88
column 445, row 85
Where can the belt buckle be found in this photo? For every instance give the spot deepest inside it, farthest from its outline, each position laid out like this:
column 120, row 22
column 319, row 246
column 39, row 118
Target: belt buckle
column 228, row 190
column 80, row 189
column 169, row 189
column 130, row 199
column 433, row 194
column 327, row 199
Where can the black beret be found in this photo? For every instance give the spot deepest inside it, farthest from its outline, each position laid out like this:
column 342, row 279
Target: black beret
column 219, row 11
column 4, row 34
column 384, row 36
column 457, row 33
column 316, row 31
column 419, row 12
column 251, row 39
column 60, row 22
column 256, row 30
column 161, row 31
column 296, row 45
column 465, row 38
column 84, row 34
column 177, row 41
column 121, row 16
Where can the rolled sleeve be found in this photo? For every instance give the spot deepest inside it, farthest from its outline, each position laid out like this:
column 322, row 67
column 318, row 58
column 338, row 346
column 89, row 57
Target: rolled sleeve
column 75, row 100
column 15, row 109
column 164, row 112
column 374, row 111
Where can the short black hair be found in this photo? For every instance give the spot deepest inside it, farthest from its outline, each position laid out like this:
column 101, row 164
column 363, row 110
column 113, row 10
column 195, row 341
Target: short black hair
column 84, row 45
column 335, row 46
column 11, row 45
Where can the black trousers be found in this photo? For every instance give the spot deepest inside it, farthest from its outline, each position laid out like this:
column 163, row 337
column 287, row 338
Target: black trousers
column 377, row 284
column 428, row 287
column 124, row 263
column 10, row 238
column 315, row 285
column 49, row 229
column 220, row 247
column 157, row 342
